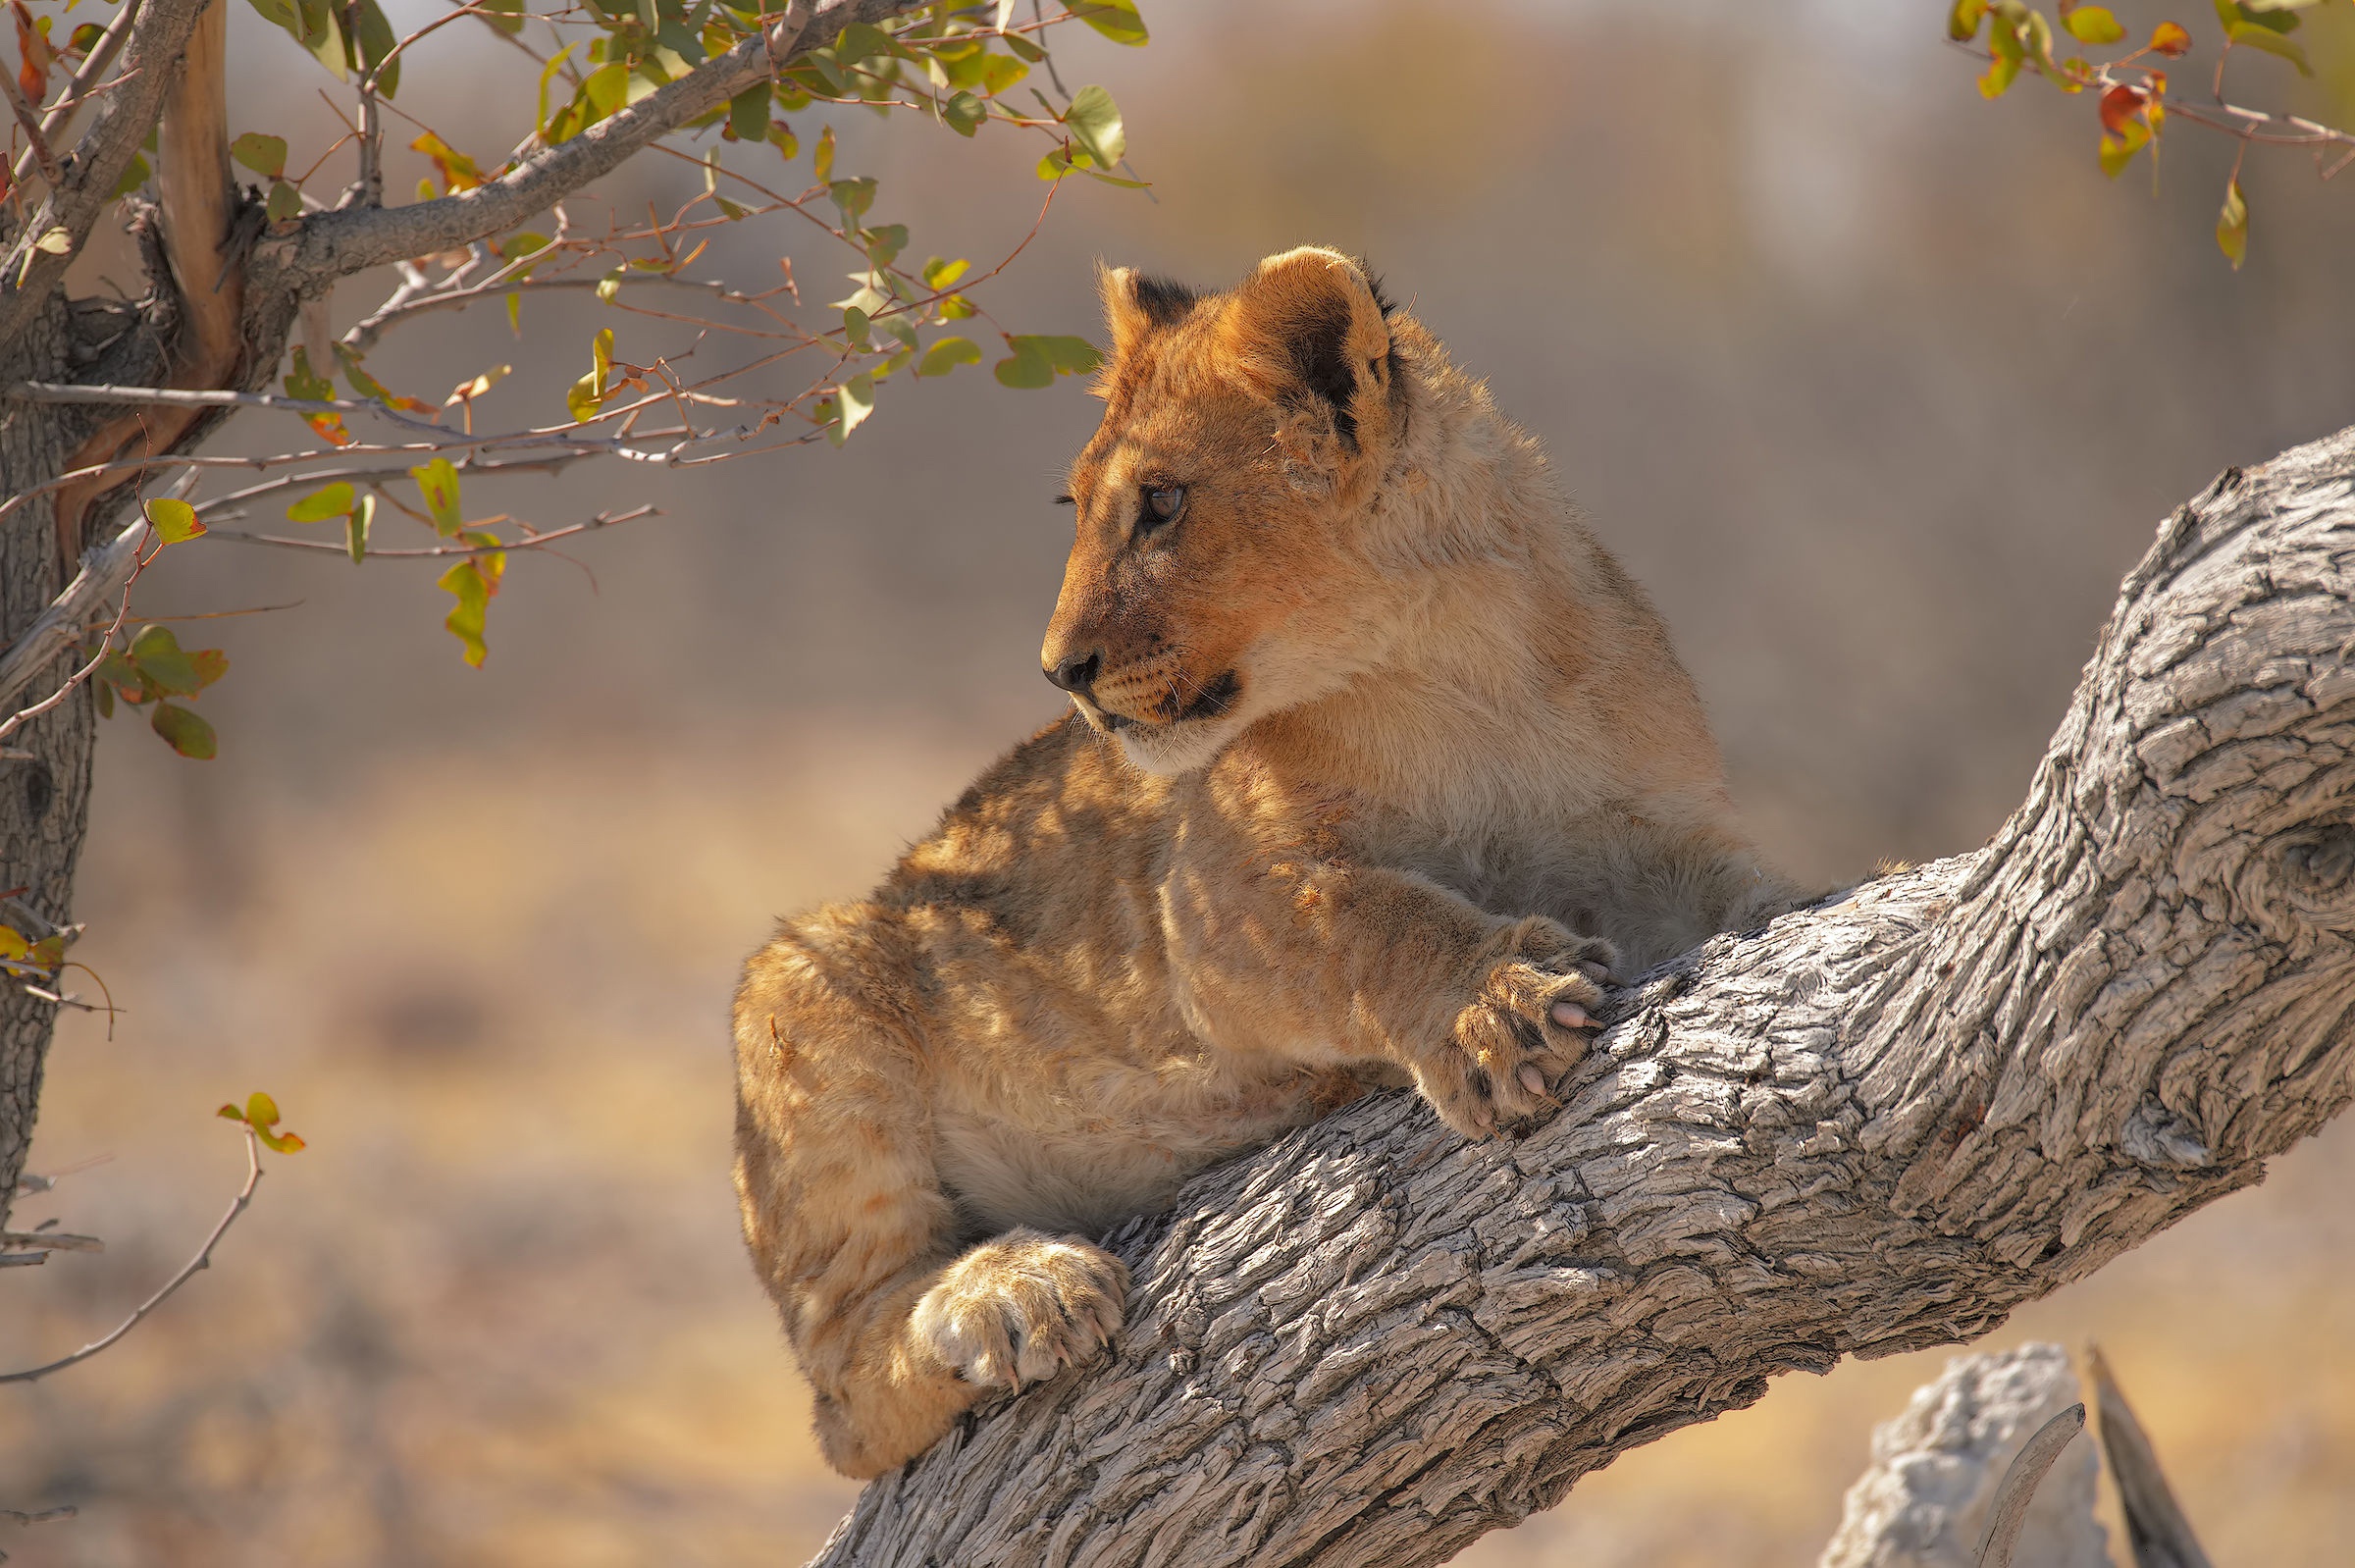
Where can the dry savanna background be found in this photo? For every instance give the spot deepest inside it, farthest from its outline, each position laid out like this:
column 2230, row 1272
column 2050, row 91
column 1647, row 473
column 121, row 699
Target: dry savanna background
column 1880, row 387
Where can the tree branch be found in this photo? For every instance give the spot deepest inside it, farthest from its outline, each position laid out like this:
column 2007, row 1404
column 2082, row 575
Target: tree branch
column 1876, row 1125
column 29, row 273
column 327, row 245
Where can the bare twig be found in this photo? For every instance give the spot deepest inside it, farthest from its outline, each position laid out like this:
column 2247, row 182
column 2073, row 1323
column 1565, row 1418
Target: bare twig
column 60, row 626
column 38, row 144
column 203, row 1259
column 2156, row 1528
column 2019, row 1487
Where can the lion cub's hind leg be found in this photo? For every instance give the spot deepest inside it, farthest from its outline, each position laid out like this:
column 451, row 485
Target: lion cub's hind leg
column 1021, row 1307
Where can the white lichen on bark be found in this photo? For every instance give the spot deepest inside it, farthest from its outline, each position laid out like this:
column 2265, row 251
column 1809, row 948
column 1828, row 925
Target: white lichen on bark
column 1935, row 1469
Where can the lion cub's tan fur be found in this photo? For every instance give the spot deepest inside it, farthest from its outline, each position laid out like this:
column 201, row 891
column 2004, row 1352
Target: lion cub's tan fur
column 1372, row 727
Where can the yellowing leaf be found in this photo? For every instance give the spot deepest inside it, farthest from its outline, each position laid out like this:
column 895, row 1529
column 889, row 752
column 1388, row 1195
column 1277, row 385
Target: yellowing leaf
column 174, row 521
column 437, row 488
column 466, row 583
column 264, row 155
column 2093, row 25
column 13, row 945
column 2232, row 226
column 189, row 735
column 588, row 394
column 329, row 501
column 946, row 354
column 356, row 527
column 1116, row 19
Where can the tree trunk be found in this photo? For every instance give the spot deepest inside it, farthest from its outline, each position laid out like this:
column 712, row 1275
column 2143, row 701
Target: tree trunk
column 1876, row 1125
column 45, row 792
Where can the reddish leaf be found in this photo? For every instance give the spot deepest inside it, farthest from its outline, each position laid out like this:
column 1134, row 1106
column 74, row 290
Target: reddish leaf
column 2170, row 39
column 2119, row 106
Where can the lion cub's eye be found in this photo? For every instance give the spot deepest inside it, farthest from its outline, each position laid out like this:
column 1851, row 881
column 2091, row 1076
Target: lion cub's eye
column 1162, row 504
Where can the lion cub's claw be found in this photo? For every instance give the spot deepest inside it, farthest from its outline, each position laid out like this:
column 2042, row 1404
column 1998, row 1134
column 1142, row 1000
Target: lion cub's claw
column 1020, row 1309
column 1530, row 1023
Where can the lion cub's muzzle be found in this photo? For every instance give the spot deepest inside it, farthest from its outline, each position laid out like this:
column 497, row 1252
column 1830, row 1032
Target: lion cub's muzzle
column 1145, row 690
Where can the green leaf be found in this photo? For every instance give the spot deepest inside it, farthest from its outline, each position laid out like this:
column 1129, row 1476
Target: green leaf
column 1069, row 356
column 264, row 155
column 2232, row 226
column 285, row 203
column 1962, row 20
column 437, row 488
column 946, row 354
column 2257, row 35
column 1029, row 369
column 748, row 113
column 211, row 665
column 964, row 113
column 822, row 159
column 356, row 526
column 185, row 732
column 853, row 197
column 174, row 521
column 2277, row 18
column 1094, row 121
column 1116, row 19
column 548, row 73
column 2093, row 25
column 305, row 383
column 160, row 658
column 329, row 501
column 377, row 39
column 505, row 15
column 261, row 1111
column 863, row 41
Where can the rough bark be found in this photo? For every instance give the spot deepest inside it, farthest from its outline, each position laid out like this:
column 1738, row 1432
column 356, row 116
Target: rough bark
column 1876, row 1125
column 1937, row 1467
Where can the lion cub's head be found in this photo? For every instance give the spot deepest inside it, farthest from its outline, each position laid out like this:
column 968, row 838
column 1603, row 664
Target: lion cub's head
column 1213, row 579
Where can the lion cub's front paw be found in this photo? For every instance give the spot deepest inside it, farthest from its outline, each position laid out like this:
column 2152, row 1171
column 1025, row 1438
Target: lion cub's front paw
column 1527, row 1023
column 1022, row 1308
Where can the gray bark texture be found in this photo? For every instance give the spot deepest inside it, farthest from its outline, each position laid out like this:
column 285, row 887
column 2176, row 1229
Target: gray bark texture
column 1876, row 1125
column 1936, row 1467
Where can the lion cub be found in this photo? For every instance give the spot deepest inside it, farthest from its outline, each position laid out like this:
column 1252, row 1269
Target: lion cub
column 1378, row 764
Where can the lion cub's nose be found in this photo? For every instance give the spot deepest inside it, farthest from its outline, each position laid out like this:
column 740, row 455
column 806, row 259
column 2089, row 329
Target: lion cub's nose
column 1077, row 673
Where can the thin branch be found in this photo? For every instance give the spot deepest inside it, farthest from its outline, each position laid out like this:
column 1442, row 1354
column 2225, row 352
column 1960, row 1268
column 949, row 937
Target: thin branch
column 202, row 1259
column 332, row 245
column 527, row 543
column 2019, row 1487
column 59, row 627
column 42, row 157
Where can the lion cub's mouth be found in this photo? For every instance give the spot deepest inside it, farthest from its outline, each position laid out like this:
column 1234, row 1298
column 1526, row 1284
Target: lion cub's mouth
column 1211, row 701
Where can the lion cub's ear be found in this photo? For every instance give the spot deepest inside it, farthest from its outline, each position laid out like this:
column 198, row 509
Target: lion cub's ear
column 1136, row 307
column 1309, row 324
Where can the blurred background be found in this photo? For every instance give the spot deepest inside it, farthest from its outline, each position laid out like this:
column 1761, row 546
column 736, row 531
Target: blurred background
column 1879, row 388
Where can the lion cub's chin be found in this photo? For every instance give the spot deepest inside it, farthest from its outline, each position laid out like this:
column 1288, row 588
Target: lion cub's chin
column 1169, row 750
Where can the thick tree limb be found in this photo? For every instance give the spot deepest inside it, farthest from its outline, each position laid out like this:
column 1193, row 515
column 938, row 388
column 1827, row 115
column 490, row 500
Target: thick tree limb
column 332, row 245
column 1877, row 1124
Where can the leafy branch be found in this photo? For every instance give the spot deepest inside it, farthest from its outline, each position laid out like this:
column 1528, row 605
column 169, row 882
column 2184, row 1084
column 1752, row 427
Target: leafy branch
column 2133, row 100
